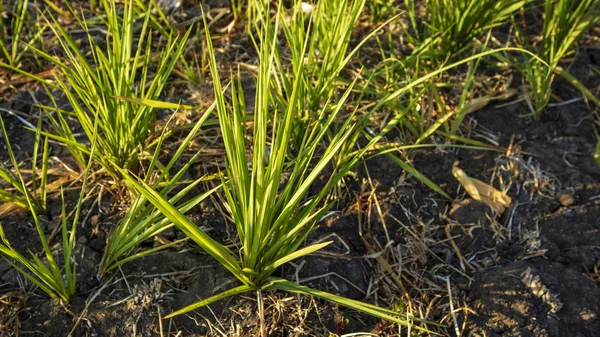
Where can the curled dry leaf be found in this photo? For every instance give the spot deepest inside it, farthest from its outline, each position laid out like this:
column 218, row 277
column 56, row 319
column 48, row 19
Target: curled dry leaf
column 481, row 191
column 8, row 208
column 479, row 103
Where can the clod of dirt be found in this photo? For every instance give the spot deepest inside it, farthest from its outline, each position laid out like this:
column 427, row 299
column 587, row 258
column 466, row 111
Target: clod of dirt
column 339, row 276
column 576, row 233
column 534, row 298
column 470, row 211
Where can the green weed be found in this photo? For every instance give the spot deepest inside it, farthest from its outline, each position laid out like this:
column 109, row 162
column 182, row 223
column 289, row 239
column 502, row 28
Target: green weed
column 564, row 23
column 450, row 26
column 142, row 220
column 26, row 196
column 54, row 280
column 272, row 220
column 121, row 68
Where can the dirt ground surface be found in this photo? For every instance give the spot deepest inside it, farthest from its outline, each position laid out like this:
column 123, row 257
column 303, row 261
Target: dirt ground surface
column 532, row 271
column 529, row 272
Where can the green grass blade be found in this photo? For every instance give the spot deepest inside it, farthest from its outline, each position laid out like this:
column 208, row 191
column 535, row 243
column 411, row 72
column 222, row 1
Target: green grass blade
column 151, row 103
column 418, row 175
column 597, row 154
column 296, row 254
column 235, row 291
column 144, row 253
column 281, row 284
column 577, row 84
column 212, row 247
column 432, row 74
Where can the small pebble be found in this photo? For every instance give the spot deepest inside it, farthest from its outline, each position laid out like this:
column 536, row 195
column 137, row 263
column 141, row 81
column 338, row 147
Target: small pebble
column 566, row 199
column 587, row 315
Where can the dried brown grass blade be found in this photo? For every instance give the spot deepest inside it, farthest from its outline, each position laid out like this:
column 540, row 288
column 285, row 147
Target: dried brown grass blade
column 481, row 191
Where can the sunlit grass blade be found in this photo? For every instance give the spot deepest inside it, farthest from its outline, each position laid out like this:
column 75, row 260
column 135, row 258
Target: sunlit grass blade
column 295, row 255
column 389, row 315
column 228, row 293
column 450, row 26
column 577, row 84
column 151, row 103
column 597, row 153
column 142, row 254
column 432, row 74
column 212, row 247
column 36, row 190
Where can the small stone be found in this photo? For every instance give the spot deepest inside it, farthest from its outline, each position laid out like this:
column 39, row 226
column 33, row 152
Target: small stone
column 470, row 211
column 566, row 199
column 587, row 315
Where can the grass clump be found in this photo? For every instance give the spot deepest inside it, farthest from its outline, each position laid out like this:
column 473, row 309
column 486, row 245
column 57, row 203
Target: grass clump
column 318, row 42
column 328, row 36
column 142, row 220
column 272, row 219
column 30, row 196
column 54, row 280
column 121, row 68
column 564, row 23
column 20, row 29
column 450, row 26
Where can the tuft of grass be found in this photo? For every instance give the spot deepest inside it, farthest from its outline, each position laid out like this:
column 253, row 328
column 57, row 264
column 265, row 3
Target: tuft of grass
column 121, row 68
column 12, row 45
column 318, row 43
column 142, row 220
column 450, row 26
column 54, row 280
column 272, row 219
column 318, row 53
column 409, row 118
column 564, row 23
column 31, row 196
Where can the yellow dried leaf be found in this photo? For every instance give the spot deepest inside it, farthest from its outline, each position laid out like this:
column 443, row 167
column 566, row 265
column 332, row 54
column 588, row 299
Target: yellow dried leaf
column 479, row 103
column 481, row 191
column 9, row 208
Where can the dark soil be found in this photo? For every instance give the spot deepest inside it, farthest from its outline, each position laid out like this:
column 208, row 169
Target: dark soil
column 551, row 232
column 526, row 272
